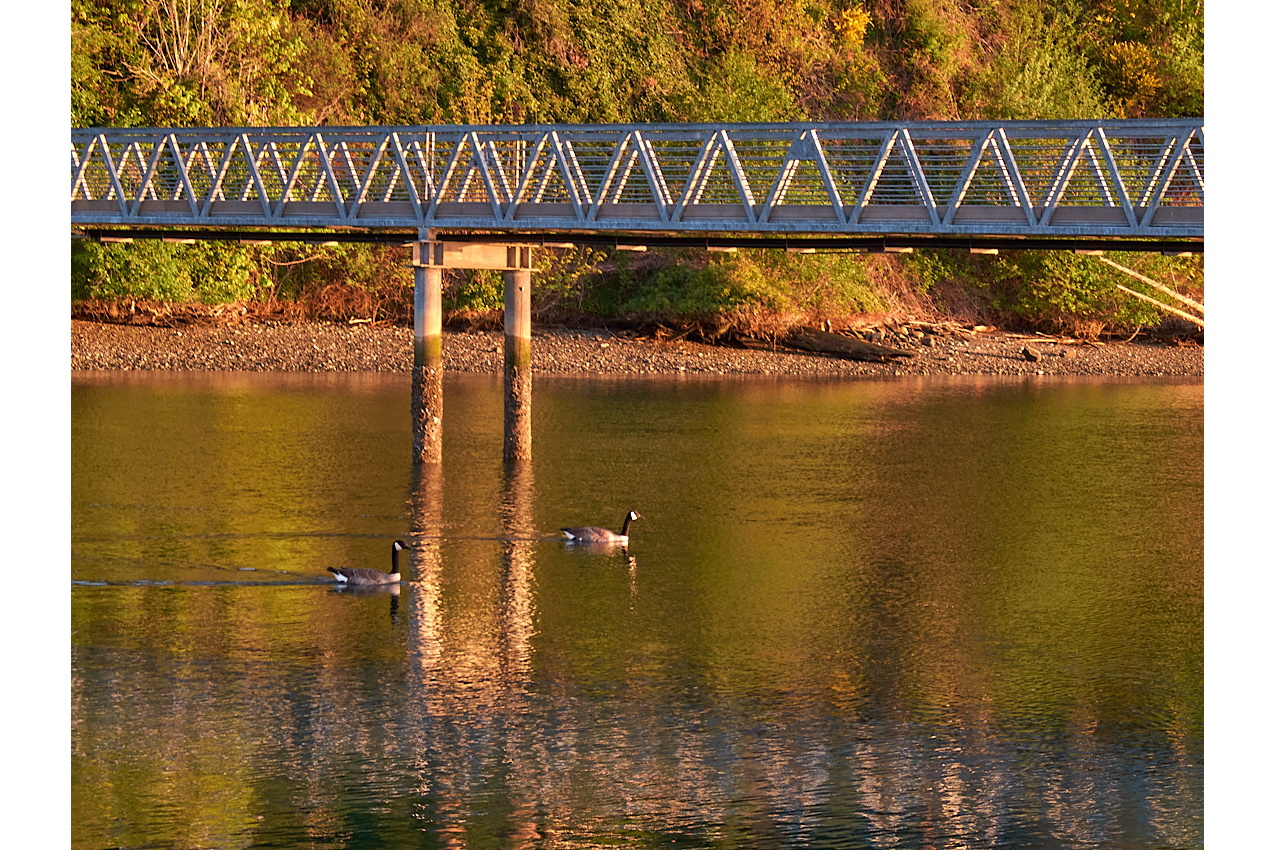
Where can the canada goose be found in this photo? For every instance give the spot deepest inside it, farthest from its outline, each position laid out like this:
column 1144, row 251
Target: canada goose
column 594, row 534
column 367, row 575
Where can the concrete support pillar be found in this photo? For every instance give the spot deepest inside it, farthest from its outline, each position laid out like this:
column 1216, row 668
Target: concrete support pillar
column 429, row 258
column 518, row 354
column 427, row 366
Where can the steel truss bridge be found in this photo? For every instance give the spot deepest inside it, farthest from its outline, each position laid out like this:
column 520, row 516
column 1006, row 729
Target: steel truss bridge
column 1136, row 184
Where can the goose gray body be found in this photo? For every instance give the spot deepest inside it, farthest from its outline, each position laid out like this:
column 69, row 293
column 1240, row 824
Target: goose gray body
column 366, row 575
column 597, row 534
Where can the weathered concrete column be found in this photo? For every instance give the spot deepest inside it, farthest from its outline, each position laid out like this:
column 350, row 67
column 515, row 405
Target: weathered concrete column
column 427, row 358
column 518, row 354
column 430, row 257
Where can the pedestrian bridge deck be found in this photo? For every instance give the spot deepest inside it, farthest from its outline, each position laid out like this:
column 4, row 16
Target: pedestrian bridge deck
column 1107, row 180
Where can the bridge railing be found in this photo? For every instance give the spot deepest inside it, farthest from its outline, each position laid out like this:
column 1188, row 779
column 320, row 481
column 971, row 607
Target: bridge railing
column 1042, row 178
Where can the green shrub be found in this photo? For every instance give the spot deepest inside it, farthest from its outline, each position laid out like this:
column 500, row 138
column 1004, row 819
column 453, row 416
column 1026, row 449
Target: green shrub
column 143, row 270
column 1042, row 72
column 221, row 273
column 688, row 284
column 829, row 284
column 208, row 272
column 564, row 280
column 1053, row 290
column 477, row 291
column 294, row 270
column 737, row 88
column 687, row 290
column 1064, row 291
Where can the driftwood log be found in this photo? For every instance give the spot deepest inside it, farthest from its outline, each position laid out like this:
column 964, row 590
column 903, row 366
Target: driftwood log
column 844, row 347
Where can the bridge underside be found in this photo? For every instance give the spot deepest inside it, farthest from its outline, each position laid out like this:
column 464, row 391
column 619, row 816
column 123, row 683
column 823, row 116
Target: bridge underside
column 797, row 243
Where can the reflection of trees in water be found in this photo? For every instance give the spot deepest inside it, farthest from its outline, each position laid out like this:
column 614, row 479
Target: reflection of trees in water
column 327, row 736
column 788, row 761
column 390, row 591
column 328, row 742
column 875, row 701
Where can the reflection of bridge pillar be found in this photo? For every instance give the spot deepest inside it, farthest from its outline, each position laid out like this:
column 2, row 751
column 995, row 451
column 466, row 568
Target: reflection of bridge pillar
column 517, row 598
column 518, row 354
column 427, row 364
column 426, row 518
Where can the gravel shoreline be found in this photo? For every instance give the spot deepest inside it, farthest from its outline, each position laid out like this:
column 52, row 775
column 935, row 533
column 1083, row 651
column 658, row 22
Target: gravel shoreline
column 331, row 347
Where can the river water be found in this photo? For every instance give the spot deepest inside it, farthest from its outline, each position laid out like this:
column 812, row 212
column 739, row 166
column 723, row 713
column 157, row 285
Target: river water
column 917, row 613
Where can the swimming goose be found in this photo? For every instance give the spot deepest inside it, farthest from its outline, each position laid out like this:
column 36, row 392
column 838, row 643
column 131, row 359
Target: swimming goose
column 367, row 575
column 594, row 534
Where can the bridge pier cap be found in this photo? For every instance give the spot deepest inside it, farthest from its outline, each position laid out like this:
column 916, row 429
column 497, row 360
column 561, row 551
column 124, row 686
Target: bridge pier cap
column 471, row 255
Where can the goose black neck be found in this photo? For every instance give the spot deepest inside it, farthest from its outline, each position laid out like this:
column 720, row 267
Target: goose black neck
column 628, row 518
column 394, row 559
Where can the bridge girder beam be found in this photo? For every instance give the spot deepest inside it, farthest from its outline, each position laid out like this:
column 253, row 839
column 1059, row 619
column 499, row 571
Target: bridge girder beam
column 1100, row 179
column 713, row 241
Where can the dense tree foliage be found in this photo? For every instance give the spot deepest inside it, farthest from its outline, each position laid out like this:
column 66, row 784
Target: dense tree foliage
column 343, row 62
column 245, row 62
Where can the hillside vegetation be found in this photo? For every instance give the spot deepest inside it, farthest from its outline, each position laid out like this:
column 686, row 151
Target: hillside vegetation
column 349, row 62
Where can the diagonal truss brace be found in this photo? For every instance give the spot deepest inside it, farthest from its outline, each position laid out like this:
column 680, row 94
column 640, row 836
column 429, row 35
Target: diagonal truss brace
column 515, row 167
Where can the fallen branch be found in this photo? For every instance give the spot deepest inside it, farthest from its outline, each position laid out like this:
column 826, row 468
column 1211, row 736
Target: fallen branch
column 1161, row 304
column 847, row 348
column 1149, row 282
column 275, row 262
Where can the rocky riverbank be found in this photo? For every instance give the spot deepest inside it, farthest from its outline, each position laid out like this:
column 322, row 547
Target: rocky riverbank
column 320, row 347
